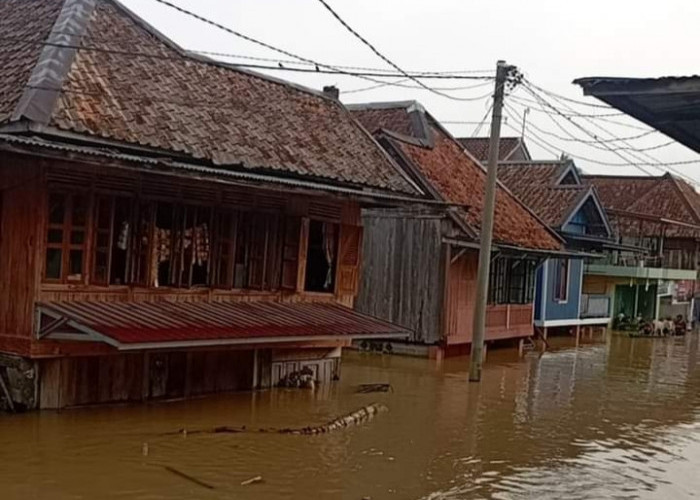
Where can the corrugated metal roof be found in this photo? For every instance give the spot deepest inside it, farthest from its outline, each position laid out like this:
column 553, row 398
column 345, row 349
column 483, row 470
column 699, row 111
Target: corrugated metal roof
column 669, row 104
column 136, row 325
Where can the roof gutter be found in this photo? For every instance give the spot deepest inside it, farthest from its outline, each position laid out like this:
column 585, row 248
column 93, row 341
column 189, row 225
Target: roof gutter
column 513, row 248
column 259, row 340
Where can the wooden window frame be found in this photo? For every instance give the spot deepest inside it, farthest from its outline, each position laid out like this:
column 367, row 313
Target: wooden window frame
column 67, row 228
column 562, row 278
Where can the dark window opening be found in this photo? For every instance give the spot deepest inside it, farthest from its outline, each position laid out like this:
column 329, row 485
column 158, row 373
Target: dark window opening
column 258, row 261
column 512, row 281
column 321, row 259
column 561, row 280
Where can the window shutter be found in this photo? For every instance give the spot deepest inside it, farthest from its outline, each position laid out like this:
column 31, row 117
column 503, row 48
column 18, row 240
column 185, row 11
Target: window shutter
column 349, row 251
column 290, row 253
column 303, row 251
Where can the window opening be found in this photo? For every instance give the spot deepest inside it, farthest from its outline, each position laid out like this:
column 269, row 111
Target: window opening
column 321, row 260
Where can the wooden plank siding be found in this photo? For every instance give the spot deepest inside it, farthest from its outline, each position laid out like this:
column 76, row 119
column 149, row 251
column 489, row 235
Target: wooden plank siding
column 26, row 183
column 21, row 242
column 402, row 273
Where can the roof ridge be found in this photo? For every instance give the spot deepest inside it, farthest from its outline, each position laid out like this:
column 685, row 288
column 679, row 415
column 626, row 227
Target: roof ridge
column 46, row 80
column 162, row 37
column 689, row 204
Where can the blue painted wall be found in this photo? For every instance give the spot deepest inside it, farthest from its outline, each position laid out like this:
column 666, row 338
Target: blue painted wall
column 555, row 310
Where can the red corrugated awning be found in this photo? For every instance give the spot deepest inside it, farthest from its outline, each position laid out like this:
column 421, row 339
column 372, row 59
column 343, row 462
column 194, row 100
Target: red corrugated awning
column 144, row 325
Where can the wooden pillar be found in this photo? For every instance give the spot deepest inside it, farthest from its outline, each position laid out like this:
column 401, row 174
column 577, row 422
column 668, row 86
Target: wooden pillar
column 146, row 380
column 256, row 370
column 578, row 334
column 521, row 348
column 188, row 374
column 544, row 333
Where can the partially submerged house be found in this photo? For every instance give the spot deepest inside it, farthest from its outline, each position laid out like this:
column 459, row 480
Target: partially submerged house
column 660, row 215
column 420, row 267
column 555, row 192
column 171, row 226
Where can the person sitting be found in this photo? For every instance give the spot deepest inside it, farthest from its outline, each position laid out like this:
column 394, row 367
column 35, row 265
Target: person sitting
column 680, row 325
column 646, row 328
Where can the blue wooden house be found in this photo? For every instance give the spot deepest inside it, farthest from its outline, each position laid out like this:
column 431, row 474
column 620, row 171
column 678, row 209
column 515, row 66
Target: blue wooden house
column 555, row 192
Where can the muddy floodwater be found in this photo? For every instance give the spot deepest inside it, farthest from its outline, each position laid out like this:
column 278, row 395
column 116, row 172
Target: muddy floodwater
column 615, row 419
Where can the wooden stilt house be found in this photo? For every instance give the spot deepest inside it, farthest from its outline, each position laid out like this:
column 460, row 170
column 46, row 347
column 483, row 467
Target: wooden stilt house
column 420, row 268
column 170, row 225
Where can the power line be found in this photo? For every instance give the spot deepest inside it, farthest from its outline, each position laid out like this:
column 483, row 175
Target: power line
column 634, row 153
column 477, row 129
column 256, row 66
column 380, row 55
column 637, row 164
column 582, row 103
column 400, row 83
column 371, row 78
column 357, row 68
column 525, row 101
column 573, row 114
column 594, row 143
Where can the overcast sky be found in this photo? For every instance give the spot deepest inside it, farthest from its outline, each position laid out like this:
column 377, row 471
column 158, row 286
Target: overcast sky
column 551, row 41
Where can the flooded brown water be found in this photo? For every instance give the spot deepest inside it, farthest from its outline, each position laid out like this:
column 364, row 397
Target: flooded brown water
column 613, row 420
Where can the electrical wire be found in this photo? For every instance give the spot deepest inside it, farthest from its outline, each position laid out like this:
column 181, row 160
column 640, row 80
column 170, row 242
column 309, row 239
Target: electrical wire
column 594, row 143
column 383, row 57
column 569, row 99
column 477, row 129
column 256, row 66
column 639, row 165
column 357, row 68
column 634, row 152
column 599, row 117
column 400, row 83
column 318, row 65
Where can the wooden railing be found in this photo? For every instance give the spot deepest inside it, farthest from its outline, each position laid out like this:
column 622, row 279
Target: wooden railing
column 508, row 321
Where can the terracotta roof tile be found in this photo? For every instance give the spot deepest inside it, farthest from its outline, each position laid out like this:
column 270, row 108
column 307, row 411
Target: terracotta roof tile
column 176, row 103
column 479, row 147
column 665, row 196
column 24, row 23
column 534, row 183
column 459, row 179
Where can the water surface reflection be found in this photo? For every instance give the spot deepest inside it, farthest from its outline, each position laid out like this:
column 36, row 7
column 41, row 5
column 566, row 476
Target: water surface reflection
column 611, row 420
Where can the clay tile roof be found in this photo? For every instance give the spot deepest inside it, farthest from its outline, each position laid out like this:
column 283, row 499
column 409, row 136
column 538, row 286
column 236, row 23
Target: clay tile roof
column 664, row 196
column 19, row 52
column 479, row 147
column 534, row 183
column 174, row 103
column 455, row 175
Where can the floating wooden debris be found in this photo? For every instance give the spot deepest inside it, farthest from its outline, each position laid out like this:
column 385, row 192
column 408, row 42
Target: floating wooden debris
column 355, row 418
column 252, row 480
column 189, row 478
column 368, row 388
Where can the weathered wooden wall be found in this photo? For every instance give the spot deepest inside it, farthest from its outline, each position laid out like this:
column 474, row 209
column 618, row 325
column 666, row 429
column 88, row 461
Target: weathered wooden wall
column 79, row 381
column 21, row 203
column 23, row 218
column 461, row 297
column 403, row 273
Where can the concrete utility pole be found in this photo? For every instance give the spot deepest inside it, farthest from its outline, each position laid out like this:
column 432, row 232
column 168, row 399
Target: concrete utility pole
column 482, row 279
